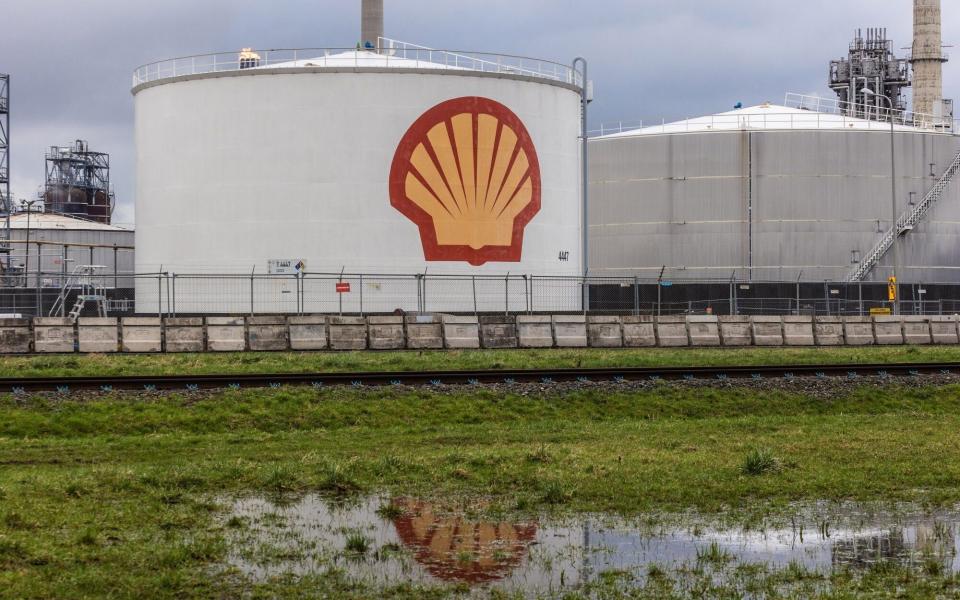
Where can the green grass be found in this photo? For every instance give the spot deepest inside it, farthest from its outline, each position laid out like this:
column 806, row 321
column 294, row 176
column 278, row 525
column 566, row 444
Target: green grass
column 115, row 497
column 297, row 362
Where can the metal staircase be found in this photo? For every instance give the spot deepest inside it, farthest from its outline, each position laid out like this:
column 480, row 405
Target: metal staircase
column 85, row 280
column 905, row 223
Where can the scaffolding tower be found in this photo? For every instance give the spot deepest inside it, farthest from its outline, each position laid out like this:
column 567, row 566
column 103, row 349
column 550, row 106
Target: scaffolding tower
column 6, row 200
column 78, row 183
column 870, row 65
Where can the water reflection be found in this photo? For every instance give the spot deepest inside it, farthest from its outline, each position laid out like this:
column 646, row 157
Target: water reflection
column 410, row 540
column 455, row 548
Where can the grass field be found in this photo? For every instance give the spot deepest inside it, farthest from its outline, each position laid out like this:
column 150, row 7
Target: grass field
column 287, row 362
column 116, row 496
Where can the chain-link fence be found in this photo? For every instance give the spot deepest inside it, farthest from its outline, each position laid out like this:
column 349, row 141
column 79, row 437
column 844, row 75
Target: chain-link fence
column 176, row 294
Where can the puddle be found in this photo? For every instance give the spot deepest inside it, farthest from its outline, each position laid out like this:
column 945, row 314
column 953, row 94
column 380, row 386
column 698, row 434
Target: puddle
column 385, row 542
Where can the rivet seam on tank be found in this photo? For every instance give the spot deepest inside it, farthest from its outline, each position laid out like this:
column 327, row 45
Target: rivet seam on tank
column 467, row 174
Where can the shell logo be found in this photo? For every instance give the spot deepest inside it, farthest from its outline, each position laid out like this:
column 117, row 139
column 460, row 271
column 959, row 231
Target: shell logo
column 467, row 174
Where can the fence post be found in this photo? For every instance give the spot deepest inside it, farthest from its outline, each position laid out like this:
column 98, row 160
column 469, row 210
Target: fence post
column 252, row 271
column 361, row 294
column 636, row 296
column 473, row 281
column 166, row 277
column 115, row 285
column 174, row 307
column 39, row 276
column 860, row 296
column 160, row 294
column 526, row 292
column 506, row 294
column 659, row 288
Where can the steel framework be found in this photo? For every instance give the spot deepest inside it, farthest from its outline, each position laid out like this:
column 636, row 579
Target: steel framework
column 6, row 200
column 870, row 65
column 78, row 183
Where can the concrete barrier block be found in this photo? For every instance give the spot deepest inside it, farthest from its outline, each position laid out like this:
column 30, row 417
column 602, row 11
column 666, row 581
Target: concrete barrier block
column 828, row 331
column 53, row 334
column 183, row 334
column 672, row 332
column 916, row 330
column 267, row 334
column 943, row 330
column 704, row 330
column 424, row 332
column 308, row 332
column 15, row 336
column 534, row 331
column 858, row 331
column 141, row 334
column 348, row 333
column 735, row 331
column 767, row 331
column 226, row 334
column 98, row 334
column 386, row 333
column 798, row 331
column 639, row 332
column 888, row 330
column 604, row 332
column 461, row 332
column 570, row 331
column 498, row 332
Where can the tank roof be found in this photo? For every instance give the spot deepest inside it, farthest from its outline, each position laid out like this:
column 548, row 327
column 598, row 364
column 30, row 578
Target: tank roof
column 44, row 220
column 765, row 116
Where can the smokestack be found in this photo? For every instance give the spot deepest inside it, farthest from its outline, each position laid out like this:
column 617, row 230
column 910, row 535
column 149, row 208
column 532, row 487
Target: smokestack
column 928, row 56
column 371, row 26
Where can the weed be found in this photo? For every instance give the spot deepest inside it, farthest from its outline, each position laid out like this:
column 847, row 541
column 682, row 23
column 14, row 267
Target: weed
column 714, row 554
column 389, row 511
column 87, row 538
column 540, row 455
column 553, row 493
column 335, row 479
column 281, row 479
column 760, row 461
column 357, row 543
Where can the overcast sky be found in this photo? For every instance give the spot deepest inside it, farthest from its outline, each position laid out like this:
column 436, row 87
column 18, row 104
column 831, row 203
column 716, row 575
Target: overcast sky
column 71, row 61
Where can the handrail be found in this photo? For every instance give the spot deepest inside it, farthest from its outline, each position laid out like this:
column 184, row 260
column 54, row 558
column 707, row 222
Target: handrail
column 392, row 53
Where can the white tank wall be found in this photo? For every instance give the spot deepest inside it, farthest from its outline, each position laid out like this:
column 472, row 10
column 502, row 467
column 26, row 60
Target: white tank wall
column 792, row 204
column 238, row 169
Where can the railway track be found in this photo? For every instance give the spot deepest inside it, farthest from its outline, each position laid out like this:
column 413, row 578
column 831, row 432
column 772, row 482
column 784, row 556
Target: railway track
column 18, row 385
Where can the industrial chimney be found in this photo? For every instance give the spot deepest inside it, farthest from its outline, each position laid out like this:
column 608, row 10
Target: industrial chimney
column 928, row 58
column 371, row 27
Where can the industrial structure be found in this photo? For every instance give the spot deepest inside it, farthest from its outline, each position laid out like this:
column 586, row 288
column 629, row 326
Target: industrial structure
column 813, row 189
column 927, row 60
column 6, row 200
column 78, row 183
column 406, row 160
column 770, row 192
column 868, row 73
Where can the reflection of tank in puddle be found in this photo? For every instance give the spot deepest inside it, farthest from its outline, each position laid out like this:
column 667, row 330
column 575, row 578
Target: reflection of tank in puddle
column 864, row 550
column 453, row 548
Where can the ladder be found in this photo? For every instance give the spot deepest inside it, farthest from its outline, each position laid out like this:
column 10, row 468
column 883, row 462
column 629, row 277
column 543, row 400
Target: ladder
column 86, row 281
column 905, row 223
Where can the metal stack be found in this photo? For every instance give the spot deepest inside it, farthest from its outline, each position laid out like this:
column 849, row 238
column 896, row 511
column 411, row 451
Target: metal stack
column 78, row 183
column 5, row 198
column 870, row 65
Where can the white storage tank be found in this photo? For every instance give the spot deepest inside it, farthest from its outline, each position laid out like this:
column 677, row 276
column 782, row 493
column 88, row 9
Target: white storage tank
column 398, row 161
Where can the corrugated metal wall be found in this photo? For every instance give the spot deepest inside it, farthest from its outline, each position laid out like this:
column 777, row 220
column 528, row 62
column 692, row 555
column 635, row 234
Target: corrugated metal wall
column 685, row 201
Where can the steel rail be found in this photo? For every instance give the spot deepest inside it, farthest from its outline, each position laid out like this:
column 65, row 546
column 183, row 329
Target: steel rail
column 20, row 385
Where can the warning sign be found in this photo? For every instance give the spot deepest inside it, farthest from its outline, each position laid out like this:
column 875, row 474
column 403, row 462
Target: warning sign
column 343, row 287
column 880, row 312
column 892, row 289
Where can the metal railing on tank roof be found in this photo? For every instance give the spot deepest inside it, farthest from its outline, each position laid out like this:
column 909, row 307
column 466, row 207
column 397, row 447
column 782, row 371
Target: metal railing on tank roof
column 392, row 54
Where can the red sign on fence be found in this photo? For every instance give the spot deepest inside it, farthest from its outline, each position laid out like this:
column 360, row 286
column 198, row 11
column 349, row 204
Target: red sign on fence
column 343, row 287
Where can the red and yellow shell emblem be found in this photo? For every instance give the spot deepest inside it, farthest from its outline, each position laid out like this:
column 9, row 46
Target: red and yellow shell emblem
column 467, row 173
